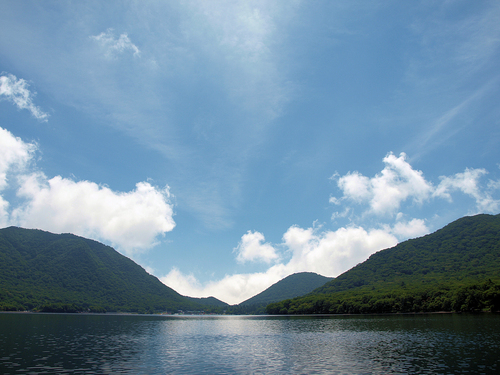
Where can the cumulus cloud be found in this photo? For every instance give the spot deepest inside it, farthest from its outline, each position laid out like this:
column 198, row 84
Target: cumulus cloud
column 113, row 46
column 411, row 229
column 328, row 253
column 129, row 220
column 4, row 214
column 14, row 158
column 231, row 289
column 252, row 248
column 398, row 182
column 332, row 252
column 468, row 183
column 385, row 192
column 17, row 91
column 14, row 155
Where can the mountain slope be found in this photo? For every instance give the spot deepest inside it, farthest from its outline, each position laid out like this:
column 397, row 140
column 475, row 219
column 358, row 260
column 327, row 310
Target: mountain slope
column 291, row 286
column 46, row 271
column 209, row 301
column 423, row 274
column 468, row 248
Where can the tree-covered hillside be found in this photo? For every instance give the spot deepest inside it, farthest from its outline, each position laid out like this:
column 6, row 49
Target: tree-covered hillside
column 291, row 286
column 456, row 268
column 43, row 271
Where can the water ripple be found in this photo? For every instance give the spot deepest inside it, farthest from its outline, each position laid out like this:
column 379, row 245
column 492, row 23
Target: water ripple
column 117, row 344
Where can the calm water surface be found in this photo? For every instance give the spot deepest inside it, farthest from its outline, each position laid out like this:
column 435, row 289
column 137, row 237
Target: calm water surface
column 118, row 344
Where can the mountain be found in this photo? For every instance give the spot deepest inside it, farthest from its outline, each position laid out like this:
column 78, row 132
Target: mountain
column 43, row 271
column 457, row 268
column 291, row 286
column 209, row 301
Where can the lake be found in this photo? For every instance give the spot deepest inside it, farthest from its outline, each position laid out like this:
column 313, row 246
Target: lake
column 144, row 344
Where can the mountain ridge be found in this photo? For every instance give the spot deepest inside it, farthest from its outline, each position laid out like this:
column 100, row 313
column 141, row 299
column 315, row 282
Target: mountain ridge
column 294, row 285
column 456, row 268
column 45, row 271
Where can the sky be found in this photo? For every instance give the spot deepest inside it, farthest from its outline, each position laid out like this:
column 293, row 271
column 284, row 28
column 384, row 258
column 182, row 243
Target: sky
column 224, row 145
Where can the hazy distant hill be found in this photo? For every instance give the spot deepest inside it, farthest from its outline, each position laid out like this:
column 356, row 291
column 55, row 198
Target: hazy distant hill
column 456, row 268
column 63, row 272
column 209, row 301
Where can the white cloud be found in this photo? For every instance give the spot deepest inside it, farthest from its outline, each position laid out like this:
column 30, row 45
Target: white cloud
column 468, row 183
column 332, row 252
column 17, row 91
column 231, row 289
column 398, row 182
column 385, row 192
column 355, row 186
column 241, row 36
column 328, row 253
column 14, row 158
column 129, row 220
column 4, row 213
column 252, row 248
column 14, row 155
column 411, row 229
column 113, row 46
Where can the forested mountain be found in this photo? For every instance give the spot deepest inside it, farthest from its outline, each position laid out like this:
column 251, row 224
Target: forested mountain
column 456, row 268
column 209, row 301
column 291, row 286
column 43, row 271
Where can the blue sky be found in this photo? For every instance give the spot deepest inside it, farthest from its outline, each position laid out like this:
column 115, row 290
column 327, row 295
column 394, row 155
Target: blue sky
column 224, row 145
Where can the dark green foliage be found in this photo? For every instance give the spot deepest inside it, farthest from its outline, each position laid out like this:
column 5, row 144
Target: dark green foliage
column 291, row 286
column 255, row 309
column 454, row 269
column 209, row 301
column 453, row 297
column 42, row 271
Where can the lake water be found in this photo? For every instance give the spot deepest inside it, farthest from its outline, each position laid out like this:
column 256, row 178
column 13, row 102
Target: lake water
column 121, row 344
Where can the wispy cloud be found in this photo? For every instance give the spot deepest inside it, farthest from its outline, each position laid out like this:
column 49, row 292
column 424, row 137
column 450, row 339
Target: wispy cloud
column 17, row 91
column 242, row 37
column 449, row 39
column 218, row 82
column 113, row 46
column 468, row 183
column 445, row 126
column 451, row 71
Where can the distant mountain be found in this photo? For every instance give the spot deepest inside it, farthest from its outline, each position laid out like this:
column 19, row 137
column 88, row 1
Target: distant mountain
column 63, row 272
column 456, row 268
column 291, row 286
column 209, row 301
